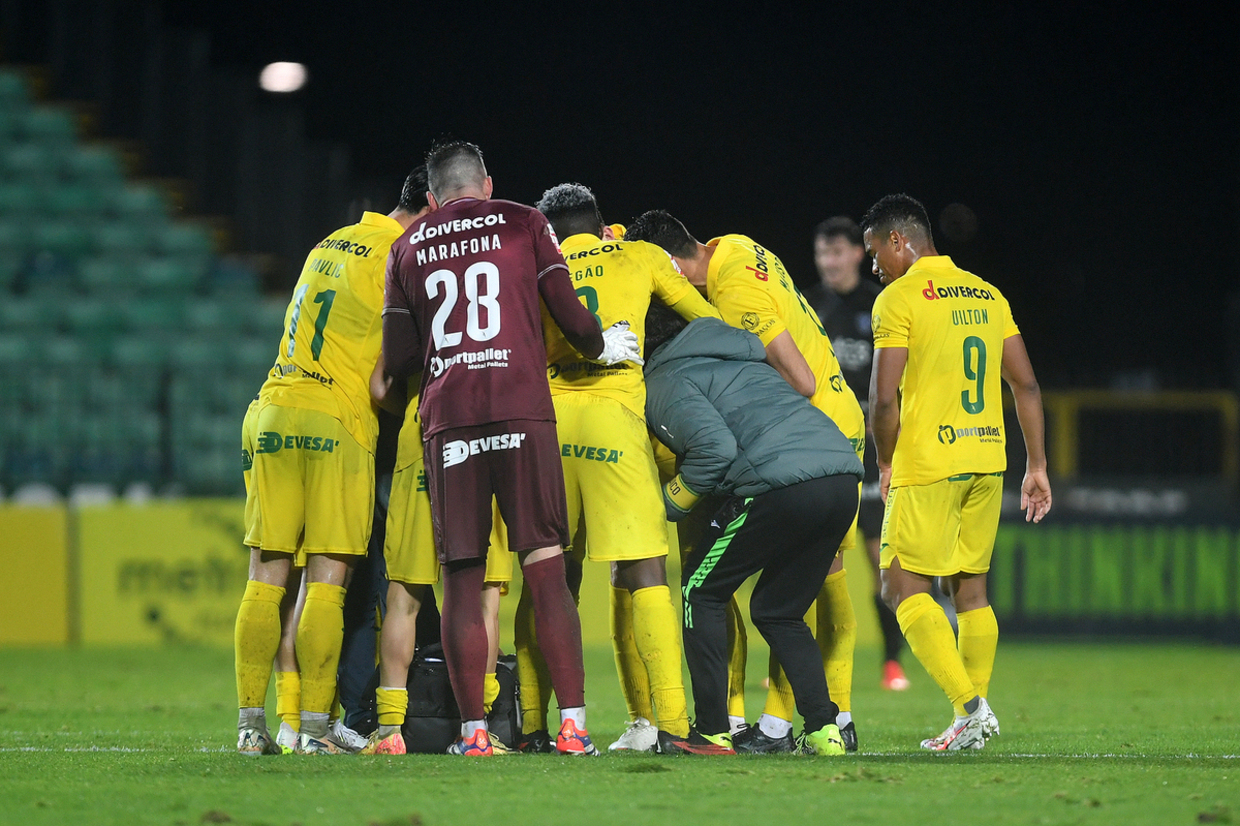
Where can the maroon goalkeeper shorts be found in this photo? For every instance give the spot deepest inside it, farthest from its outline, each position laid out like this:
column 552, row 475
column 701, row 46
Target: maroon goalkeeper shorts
column 516, row 461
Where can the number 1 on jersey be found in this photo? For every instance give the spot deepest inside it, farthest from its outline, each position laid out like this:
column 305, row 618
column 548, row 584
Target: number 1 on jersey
column 326, row 297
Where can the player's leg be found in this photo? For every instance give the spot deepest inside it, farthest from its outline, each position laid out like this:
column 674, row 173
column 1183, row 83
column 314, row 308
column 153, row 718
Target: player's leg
column 919, row 531
column 656, row 634
column 273, row 516
column 978, row 629
column 837, row 639
column 288, row 677
column 340, row 501
column 870, row 525
column 738, row 655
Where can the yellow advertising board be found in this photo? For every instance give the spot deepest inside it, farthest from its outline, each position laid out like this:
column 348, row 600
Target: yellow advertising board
column 161, row 573
column 34, row 552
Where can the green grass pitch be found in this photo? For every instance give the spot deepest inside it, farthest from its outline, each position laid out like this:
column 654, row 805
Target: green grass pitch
column 1092, row 734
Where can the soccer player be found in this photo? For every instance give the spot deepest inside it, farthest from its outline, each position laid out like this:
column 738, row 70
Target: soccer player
column 937, row 410
column 752, row 290
column 462, row 305
column 313, row 473
column 789, row 478
column 843, row 299
column 610, row 476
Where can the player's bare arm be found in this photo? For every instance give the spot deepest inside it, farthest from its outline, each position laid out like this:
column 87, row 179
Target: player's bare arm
column 1035, row 490
column 782, row 354
column 885, row 408
column 385, row 390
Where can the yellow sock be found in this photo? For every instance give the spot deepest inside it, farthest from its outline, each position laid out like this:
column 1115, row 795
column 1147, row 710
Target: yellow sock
column 738, row 653
column 634, row 682
column 391, row 703
column 979, row 635
column 319, row 636
column 490, row 690
column 656, row 631
column 930, row 638
column 837, row 637
column 535, row 679
column 256, row 638
column 780, row 701
column 288, row 697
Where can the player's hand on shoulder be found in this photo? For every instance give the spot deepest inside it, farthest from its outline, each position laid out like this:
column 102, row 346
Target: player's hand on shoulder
column 1035, row 495
column 620, row 344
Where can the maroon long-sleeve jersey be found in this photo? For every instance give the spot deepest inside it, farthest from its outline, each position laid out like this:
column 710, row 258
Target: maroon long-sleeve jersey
column 462, row 305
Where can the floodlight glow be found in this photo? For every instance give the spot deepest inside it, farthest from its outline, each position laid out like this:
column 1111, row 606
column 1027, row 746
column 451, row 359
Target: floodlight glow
column 282, row 77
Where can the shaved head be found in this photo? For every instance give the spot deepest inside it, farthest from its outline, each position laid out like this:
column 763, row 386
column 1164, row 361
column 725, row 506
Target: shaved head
column 452, row 167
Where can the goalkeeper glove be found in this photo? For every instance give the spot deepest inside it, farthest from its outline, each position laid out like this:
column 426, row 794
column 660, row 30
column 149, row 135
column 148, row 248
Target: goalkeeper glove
column 620, row 344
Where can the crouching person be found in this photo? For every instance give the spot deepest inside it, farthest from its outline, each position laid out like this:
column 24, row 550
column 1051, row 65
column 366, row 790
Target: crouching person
column 782, row 479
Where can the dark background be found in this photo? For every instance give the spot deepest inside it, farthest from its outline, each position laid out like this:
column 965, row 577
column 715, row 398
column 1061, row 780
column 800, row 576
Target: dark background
column 1096, row 146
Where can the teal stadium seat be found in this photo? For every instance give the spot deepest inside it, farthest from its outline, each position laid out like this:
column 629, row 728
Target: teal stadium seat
column 96, row 166
column 104, row 275
column 50, row 126
column 120, row 238
column 72, row 201
column 151, row 317
column 167, row 276
column 197, row 356
column 139, row 202
column 184, row 239
column 20, row 200
column 140, row 361
column 61, row 236
column 29, row 315
column 31, row 161
column 14, row 91
column 212, row 317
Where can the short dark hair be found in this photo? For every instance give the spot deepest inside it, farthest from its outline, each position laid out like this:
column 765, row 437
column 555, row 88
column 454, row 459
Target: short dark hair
column 571, row 209
column 899, row 212
column 662, row 325
column 453, row 165
column 841, row 226
column 413, row 193
column 659, row 227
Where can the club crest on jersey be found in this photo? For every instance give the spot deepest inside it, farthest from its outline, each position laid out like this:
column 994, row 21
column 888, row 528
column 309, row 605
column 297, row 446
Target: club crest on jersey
column 458, row 450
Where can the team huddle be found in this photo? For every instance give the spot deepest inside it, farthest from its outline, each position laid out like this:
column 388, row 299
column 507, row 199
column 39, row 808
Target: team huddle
column 573, row 390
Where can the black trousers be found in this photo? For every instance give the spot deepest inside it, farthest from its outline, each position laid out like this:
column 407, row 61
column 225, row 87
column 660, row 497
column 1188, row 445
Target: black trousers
column 791, row 535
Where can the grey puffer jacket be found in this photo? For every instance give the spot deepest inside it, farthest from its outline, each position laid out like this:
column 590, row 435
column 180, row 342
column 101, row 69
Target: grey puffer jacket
column 737, row 426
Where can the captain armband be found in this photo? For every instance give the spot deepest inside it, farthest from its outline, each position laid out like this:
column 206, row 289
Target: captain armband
column 678, row 498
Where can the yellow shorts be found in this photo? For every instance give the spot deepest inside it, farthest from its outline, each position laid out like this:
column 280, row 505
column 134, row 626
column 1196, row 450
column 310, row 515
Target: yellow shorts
column 249, row 443
column 610, row 478
column 409, row 544
column 845, row 411
column 314, row 484
column 943, row 529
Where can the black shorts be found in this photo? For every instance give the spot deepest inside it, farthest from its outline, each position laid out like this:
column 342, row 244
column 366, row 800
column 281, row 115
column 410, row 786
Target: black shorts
column 870, row 513
column 517, row 462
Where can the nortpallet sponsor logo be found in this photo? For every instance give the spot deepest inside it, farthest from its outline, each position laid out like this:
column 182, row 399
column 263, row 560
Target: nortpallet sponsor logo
column 591, row 453
column 458, row 450
column 271, row 442
column 473, row 359
column 948, row 434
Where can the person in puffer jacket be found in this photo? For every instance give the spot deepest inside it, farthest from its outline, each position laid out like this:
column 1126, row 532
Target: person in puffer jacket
column 785, row 481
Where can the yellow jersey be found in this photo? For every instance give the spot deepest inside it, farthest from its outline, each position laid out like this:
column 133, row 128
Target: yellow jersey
column 615, row 280
column 333, row 329
column 752, row 290
column 951, row 408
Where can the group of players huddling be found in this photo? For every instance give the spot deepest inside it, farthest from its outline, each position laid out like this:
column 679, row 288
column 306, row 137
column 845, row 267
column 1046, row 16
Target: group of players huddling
column 567, row 384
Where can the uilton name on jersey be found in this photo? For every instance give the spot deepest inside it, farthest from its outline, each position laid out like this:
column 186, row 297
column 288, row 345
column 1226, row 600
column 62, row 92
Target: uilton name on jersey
column 470, row 275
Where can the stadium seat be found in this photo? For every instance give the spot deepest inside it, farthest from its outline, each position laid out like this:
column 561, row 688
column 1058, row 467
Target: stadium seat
column 15, row 350
column 91, row 319
column 63, row 236
column 31, row 161
column 105, row 275
column 33, row 315
column 139, row 201
column 14, row 91
column 120, row 238
column 184, row 239
column 50, row 126
column 73, row 201
column 145, row 316
column 195, row 354
column 10, row 268
column 166, row 276
column 95, row 166
column 20, row 200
